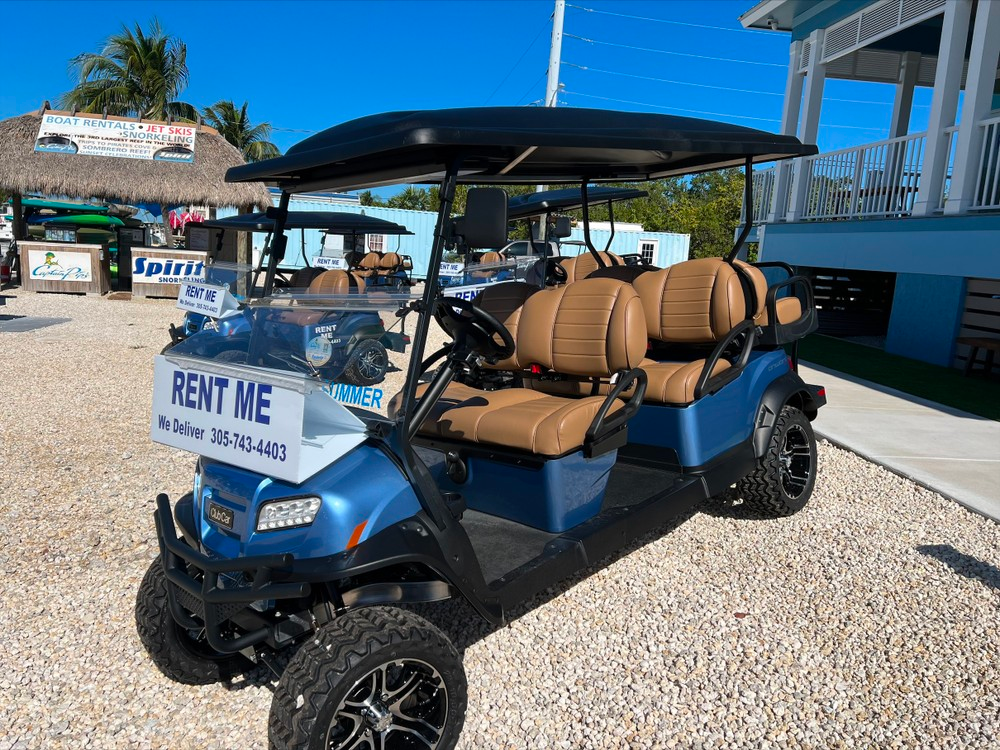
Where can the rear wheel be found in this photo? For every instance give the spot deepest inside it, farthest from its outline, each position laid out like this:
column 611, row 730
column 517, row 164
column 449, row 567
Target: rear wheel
column 783, row 480
column 181, row 655
column 367, row 364
column 378, row 678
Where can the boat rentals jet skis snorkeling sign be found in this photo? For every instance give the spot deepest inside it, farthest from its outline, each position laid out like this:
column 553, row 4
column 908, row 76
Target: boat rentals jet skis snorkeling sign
column 279, row 423
column 125, row 139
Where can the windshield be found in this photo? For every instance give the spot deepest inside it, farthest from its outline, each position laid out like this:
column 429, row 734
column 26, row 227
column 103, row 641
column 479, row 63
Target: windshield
column 466, row 282
column 355, row 347
column 234, row 277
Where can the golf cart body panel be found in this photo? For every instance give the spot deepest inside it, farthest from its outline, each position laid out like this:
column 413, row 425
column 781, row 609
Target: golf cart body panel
column 525, row 449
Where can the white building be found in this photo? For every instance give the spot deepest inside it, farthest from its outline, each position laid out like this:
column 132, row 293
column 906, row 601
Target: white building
column 904, row 233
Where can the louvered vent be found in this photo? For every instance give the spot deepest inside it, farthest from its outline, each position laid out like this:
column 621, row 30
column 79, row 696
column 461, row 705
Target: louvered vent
column 913, row 8
column 878, row 19
column 806, row 52
column 876, row 64
column 842, row 37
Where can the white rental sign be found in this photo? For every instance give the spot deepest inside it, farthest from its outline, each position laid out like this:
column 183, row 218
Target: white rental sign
column 89, row 135
column 56, row 265
column 278, row 424
column 323, row 261
column 205, row 299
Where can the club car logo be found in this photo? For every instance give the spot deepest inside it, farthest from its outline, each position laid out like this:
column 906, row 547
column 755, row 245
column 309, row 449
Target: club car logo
column 52, row 266
column 166, row 270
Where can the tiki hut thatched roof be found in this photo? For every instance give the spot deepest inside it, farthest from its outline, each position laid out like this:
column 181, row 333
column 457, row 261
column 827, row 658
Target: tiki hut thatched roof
column 23, row 170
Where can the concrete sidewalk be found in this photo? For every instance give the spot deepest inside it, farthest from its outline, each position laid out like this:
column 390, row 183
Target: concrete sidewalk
column 952, row 452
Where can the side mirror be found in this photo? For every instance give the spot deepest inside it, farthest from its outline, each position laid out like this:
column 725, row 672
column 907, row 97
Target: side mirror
column 562, row 227
column 485, row 222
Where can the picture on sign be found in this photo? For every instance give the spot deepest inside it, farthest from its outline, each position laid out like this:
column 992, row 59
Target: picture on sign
column 166, row 270
column 95, row 136
column 56, row 265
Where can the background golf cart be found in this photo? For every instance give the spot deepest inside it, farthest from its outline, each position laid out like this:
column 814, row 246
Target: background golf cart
column 494, row 494
column 358, row 341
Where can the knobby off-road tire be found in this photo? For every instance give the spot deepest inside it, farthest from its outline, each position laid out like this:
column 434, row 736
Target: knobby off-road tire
column 370, row 679
column 170, row 646
column 783, row 479
column 367, row 364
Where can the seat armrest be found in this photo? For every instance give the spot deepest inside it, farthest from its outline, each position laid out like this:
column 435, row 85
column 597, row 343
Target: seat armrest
column 777, row 333
column 603, row 427
column 706, row 383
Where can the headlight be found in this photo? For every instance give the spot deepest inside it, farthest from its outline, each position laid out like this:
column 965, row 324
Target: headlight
column 287, row 514
column 210, row 325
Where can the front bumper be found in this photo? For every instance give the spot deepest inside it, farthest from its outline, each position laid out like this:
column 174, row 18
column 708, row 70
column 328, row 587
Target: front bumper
column 216, row 590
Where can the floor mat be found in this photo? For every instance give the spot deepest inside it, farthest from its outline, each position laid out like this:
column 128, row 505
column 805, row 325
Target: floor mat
column 21, row 324
column 502, row 545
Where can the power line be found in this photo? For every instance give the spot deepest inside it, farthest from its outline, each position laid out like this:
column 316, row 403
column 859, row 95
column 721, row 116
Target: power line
column 719, row 88
column 678, row 54
column 675, row 23
column 711, row 114
column 514, row 66
column 537, row 81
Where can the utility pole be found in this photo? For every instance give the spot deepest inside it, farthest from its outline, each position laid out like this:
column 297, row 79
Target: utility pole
column 555, row 53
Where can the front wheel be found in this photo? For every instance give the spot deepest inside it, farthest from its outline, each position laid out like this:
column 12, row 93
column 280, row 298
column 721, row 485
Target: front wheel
column 783, row 479
column 378, row 678
column 180, row 654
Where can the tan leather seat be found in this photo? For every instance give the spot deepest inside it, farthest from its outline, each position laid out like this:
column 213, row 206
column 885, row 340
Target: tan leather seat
column 593, row 328
column 490, row 257
column 369, row 264
column 585, row 264
column 694, row 302
column 389, row 264
column 336, row 281
column 788, row 309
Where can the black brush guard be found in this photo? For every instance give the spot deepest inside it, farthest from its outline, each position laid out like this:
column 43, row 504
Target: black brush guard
column 219, row 588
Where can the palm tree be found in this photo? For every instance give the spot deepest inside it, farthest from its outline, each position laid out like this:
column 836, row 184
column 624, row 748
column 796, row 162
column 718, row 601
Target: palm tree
column 234, row 125
column 137, row 74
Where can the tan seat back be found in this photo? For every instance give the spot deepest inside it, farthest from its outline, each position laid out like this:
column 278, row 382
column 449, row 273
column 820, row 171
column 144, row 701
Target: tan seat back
column 755, row 277
column 370, row 262
column 336, row 281
column 585, row 264
column 694, row 302
column 591, row 328
column 303, row 277
column 390, row 262
column 505, row 302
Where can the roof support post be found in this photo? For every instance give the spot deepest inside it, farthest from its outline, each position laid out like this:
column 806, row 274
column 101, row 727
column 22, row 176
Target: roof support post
column 944, row 104
column 979, row 82
column 789, row 125
column 903, row 103
column 809, row 127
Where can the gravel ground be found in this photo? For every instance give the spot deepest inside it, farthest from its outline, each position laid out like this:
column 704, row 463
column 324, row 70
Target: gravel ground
column 867, row 620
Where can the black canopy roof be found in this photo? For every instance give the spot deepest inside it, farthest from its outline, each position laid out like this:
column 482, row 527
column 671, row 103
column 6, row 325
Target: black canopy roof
column 515, row 145
column 566, row 199
column 334, row 222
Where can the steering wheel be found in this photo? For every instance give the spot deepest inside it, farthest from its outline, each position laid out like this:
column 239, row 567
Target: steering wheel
column 555, row 272
column 472, row 328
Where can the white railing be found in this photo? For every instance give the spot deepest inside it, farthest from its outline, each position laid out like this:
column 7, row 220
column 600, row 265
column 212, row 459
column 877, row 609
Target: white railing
column 877, row 179
column 763, row 192
column 987, row 194
column 951, row 136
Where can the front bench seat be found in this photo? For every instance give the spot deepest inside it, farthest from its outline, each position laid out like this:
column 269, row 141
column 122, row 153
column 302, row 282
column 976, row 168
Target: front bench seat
column 369, row 265
column 593, row 328
column 694, row 302
column 389, row 264
column 332, row 282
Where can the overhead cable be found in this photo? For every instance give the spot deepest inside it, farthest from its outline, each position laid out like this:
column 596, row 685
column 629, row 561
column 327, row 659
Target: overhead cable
column 677, row 23
column 678, row 54
column 514, row 66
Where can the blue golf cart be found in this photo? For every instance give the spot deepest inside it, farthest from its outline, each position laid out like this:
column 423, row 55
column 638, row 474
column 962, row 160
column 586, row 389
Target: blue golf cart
column 627, row 399
column 361, row 342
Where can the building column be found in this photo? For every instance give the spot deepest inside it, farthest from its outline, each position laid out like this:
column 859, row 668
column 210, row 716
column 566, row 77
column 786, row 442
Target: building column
column 903, row 102
column 809, row 127
column 944, row 104
column 789, row 125
column 978, row 101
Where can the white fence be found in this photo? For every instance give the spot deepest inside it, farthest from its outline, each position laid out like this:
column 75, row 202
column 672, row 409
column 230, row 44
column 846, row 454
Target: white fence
column 987, row 193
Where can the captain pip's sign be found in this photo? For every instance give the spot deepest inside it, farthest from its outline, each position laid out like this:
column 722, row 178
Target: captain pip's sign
column 277, row 424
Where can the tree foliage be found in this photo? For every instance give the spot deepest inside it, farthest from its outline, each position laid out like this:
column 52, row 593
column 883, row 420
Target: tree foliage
column 137, row 74
column 234, row 125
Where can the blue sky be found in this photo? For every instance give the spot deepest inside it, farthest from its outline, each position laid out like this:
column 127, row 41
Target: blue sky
column 307, row 65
